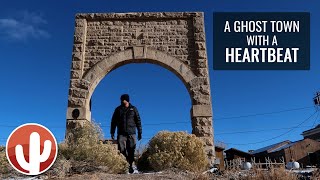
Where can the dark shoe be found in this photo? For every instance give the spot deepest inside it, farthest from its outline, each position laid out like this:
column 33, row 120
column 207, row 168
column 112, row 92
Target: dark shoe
column 131, row 170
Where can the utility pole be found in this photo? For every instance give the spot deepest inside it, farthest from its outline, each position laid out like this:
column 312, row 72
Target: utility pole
column 316, row 99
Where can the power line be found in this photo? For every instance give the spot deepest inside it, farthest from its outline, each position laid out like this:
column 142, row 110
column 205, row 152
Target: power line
column 184, row 122
column 251, row 131
column 313, row 125
column 275, row 137
column 261, row 130
column 13, row 126
column 242, row 132
column 267, row 113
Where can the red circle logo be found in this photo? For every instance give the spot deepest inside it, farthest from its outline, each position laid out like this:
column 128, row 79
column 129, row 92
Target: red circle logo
column 31, row 149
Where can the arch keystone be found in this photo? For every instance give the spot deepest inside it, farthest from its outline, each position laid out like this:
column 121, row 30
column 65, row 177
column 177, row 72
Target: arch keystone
column 139, row 52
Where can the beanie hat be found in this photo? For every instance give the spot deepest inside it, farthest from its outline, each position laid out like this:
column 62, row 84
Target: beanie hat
column 125, row 97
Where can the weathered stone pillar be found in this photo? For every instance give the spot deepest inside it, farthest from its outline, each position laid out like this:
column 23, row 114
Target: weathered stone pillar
column 201, row 112
column 202, row 128
column 77, row 112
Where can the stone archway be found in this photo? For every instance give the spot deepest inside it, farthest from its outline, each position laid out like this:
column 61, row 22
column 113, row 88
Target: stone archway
column 175, row 41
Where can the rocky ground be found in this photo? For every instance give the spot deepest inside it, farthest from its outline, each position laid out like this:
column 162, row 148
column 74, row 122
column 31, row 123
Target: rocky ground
column 170, row 174
column 182, row 175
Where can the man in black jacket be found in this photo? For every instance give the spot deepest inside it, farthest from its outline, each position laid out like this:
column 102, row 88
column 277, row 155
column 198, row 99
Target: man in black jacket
column 126, row 118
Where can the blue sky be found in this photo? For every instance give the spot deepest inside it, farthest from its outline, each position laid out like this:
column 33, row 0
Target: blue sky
column 36, row 39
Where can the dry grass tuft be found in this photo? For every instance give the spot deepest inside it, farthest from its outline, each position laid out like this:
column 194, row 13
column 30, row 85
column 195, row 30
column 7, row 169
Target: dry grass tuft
column 274, row 173
column 316, row 174
column 259, row 174
column 200, row 176
column 174, row 150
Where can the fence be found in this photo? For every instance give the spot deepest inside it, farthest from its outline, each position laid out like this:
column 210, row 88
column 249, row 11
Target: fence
column 267, row 164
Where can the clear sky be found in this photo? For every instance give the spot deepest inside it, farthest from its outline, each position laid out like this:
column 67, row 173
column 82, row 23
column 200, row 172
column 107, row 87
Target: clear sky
column 36, row 39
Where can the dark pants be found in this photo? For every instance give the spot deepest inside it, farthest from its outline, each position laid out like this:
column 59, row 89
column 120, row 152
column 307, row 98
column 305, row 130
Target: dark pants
column 127, row 146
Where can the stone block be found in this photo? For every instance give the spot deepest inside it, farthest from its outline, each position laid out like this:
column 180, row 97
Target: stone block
column 107, row 23
column 199, row 37
column 83, row 113
column 202, row 63
column 79, row 39
column 75, row 74
column 77, row 56
column 181, row 52
column 76, row 102
column 90, row 76
column 182, row 41
column 96, row 42
column 188, row 76
column 182, row 22
column 84, row 84
column 116, row 39
column 200, row 46
column 201, row 121
column 74, row 83
column 198, row 29
column 80, row 23
column 139, row 52
column 80, row 93
column 201, row 54
column 205, row 89
column 106, row 66
column 176, row 64
column 78, row 48
column 201, row 99
column 198, row 21
column 80, row 31
column 202, row 72
column 96, row 52
column 207, row 140
column 198, row 82
column 118, row 23
column 210, row 151
column 201, row 111
column 76, row 65
column 202, row 131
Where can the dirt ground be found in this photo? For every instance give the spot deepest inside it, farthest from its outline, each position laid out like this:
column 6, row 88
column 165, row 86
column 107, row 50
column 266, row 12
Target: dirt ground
column 156, row 176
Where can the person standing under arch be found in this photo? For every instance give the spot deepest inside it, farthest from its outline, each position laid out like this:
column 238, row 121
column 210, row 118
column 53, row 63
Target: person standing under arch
column 126, row 119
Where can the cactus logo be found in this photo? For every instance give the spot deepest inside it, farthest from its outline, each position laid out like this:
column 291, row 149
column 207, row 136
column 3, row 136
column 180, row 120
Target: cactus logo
column 31, row 149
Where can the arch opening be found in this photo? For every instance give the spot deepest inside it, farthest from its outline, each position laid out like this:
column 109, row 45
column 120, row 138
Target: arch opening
column 161, row 98
column 200, row 114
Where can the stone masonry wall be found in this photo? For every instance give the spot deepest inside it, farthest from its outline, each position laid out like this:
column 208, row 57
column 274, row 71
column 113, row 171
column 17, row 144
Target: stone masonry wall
column 107, row 37
column 99, row 36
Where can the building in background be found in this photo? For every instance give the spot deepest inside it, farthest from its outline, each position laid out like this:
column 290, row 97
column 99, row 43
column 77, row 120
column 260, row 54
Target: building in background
column 313, row 133
column 233, row 153
column 305, row 151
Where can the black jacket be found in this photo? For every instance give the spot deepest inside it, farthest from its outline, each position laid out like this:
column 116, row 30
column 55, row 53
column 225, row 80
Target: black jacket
column 126, row 120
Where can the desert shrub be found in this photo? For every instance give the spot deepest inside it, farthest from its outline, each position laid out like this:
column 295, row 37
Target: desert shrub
column 86, row 153
column 174, row 150
column 6, row 170
column 4, row 164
